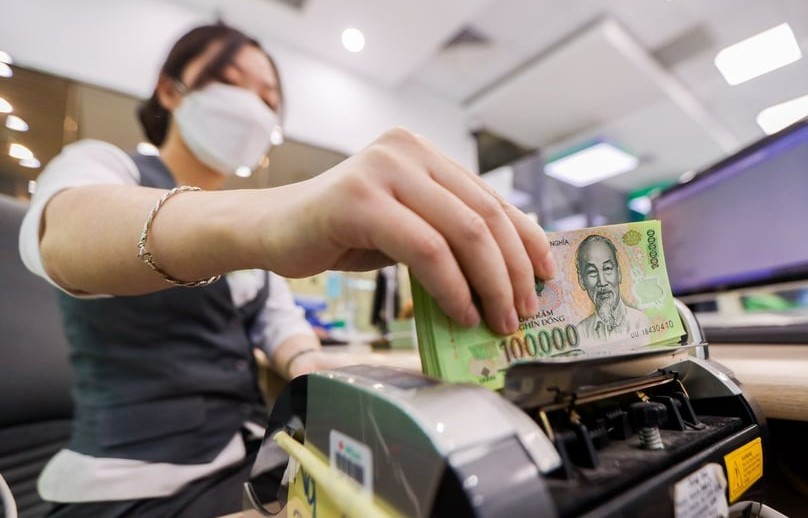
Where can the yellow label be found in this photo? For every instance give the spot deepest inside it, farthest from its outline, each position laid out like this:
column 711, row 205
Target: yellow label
column 744, row 468
column 305, row 500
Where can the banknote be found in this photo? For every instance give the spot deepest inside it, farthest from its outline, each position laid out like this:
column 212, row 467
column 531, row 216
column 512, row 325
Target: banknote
column 611, row 293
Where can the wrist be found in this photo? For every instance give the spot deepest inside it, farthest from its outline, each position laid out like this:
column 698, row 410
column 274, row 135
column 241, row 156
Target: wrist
column 288, row 235
column 200, row 234
column 241, row 221
column 289, row 367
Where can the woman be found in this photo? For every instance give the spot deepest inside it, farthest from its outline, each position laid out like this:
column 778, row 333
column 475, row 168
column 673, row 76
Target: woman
column 166, row 396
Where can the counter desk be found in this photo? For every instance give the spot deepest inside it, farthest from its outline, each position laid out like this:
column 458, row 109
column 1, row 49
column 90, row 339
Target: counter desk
column 774, row 375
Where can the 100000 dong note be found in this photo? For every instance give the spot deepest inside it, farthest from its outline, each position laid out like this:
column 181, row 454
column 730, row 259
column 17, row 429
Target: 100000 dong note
column 610, row 293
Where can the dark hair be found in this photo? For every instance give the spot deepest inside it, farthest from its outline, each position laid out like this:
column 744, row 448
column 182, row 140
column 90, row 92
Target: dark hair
column 153, row 116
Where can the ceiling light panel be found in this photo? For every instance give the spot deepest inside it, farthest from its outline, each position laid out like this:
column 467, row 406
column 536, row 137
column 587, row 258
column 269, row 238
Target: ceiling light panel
column 591, row 164
column 762, row 53
column 774, row 118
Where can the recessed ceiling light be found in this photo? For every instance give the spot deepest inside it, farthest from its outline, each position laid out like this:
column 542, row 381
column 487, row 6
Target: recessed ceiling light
column 31, row 163
column 19, row 151
column 353, row 39
column 5, row 106
column 591, row 164
column 5, row 58
column 774, row 118
column 16, row 123
column 755, row 56
column 5, row 70
column 244, row 172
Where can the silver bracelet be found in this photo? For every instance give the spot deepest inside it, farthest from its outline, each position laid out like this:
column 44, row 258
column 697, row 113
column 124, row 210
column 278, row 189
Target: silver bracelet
column 146, row 256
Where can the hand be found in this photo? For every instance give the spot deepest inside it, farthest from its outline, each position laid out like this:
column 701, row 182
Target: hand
column 320, row 360
column 400, row 200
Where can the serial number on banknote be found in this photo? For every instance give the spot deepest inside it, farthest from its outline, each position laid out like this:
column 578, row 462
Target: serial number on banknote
column 545, row 343
column 658, row 328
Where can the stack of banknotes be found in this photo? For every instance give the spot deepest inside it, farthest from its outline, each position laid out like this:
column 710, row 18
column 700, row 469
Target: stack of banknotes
column 610, row 294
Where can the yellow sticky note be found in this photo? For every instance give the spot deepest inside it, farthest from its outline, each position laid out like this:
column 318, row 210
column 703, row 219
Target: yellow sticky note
column 744, row 468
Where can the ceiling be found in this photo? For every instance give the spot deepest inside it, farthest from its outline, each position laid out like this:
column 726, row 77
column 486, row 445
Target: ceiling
column 551, row 74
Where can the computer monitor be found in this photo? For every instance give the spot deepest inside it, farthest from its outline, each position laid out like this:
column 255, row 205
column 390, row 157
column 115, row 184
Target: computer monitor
column 742, row 221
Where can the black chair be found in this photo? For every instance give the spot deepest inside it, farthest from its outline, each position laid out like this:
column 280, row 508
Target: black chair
column 35, row 374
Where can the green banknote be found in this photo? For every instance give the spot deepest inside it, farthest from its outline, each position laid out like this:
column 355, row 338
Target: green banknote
column 610, row 293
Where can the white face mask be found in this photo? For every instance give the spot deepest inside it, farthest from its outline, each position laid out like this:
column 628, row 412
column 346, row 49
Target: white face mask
column 227, row 127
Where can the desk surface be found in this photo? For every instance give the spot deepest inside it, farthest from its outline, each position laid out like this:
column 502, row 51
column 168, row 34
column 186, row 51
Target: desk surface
column 774, row 375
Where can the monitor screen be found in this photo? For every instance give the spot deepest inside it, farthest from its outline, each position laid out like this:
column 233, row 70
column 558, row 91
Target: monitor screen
column 742, row 221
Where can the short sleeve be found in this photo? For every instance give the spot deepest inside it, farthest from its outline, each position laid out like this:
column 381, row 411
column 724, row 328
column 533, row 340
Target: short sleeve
column 87, row 162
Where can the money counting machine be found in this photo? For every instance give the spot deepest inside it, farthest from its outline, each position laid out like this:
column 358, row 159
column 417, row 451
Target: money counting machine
column 664, row 432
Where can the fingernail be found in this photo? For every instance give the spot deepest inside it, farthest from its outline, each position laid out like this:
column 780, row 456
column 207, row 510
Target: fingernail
column 549, row 266
column 511, row 322
column 472, row 316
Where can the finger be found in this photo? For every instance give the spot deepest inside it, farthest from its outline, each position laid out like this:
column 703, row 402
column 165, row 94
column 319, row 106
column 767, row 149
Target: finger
column 535, row 242
column 455, row 177
column 407, row 238
column 475, row 247
column 534, row 239
column 521, row 269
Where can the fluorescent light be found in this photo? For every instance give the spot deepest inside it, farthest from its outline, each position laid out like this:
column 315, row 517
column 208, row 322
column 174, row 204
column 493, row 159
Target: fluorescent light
column 5, row 70
column 774, row 118
column 5, row 106
column 755, row 56
column 353, row 39
column 244, row 172
column 147, row 149
column 16, row 123
column 5, row 58
column 19, row 152
column 31, row 163
column 640, row 204
column 591, row 164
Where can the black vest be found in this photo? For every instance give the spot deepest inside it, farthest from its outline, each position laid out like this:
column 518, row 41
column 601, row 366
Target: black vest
column 164, row 377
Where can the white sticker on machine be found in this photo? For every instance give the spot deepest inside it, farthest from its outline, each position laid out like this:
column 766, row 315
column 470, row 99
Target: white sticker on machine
column 352, row 458
column 702, row 493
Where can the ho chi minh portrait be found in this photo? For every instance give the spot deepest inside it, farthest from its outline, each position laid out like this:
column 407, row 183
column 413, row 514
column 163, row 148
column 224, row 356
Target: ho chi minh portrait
column 599, row 275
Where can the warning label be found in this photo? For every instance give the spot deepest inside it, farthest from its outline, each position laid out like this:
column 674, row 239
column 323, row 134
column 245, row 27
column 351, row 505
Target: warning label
column 744, row 468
